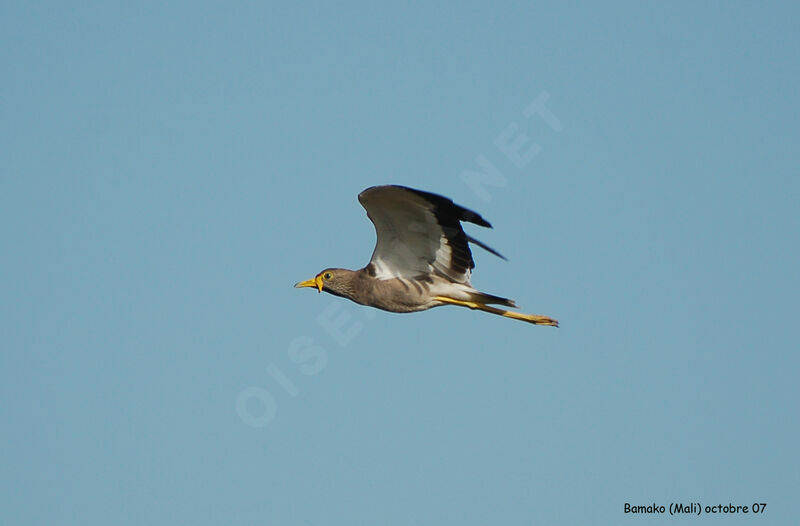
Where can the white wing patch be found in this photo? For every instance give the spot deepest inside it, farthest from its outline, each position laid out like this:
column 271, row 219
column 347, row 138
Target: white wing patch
column 411, row 241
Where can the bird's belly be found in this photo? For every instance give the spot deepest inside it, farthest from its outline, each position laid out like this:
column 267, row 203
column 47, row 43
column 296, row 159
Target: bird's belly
column 401, row 295
column 402, row 305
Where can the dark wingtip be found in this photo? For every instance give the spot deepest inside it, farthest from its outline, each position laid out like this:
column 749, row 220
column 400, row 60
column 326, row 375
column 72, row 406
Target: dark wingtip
column 447, row 205
column 473, row 217
column 486, row 247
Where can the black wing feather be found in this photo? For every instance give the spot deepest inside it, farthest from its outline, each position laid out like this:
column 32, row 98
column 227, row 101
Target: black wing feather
column 449, row 215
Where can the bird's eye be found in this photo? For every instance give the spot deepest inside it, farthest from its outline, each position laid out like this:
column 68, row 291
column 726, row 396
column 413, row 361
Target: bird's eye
column 327, row 275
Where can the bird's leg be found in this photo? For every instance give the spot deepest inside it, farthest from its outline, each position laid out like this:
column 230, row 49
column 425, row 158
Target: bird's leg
column 530, row 318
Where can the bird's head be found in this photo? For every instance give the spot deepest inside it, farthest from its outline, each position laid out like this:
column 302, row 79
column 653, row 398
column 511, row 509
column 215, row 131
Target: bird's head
column 330, row 280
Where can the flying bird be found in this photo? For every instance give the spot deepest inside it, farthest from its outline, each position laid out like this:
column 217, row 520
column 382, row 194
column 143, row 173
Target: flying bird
column 421, row 260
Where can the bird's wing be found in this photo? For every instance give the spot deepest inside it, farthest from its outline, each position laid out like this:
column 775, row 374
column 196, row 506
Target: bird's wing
column 419, row 233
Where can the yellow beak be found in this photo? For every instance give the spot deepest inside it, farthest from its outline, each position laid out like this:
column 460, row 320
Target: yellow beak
column 315, row 282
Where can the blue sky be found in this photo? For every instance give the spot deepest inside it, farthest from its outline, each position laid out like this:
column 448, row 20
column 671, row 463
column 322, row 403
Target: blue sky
column 170, row 171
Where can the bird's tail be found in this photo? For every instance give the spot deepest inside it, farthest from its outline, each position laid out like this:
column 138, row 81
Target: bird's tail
column 482, row 297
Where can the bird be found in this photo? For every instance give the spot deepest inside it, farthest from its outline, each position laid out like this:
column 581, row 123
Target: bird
column 421, row 260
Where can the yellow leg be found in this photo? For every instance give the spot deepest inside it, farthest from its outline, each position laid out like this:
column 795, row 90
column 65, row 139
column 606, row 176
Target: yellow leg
column 530, row 318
